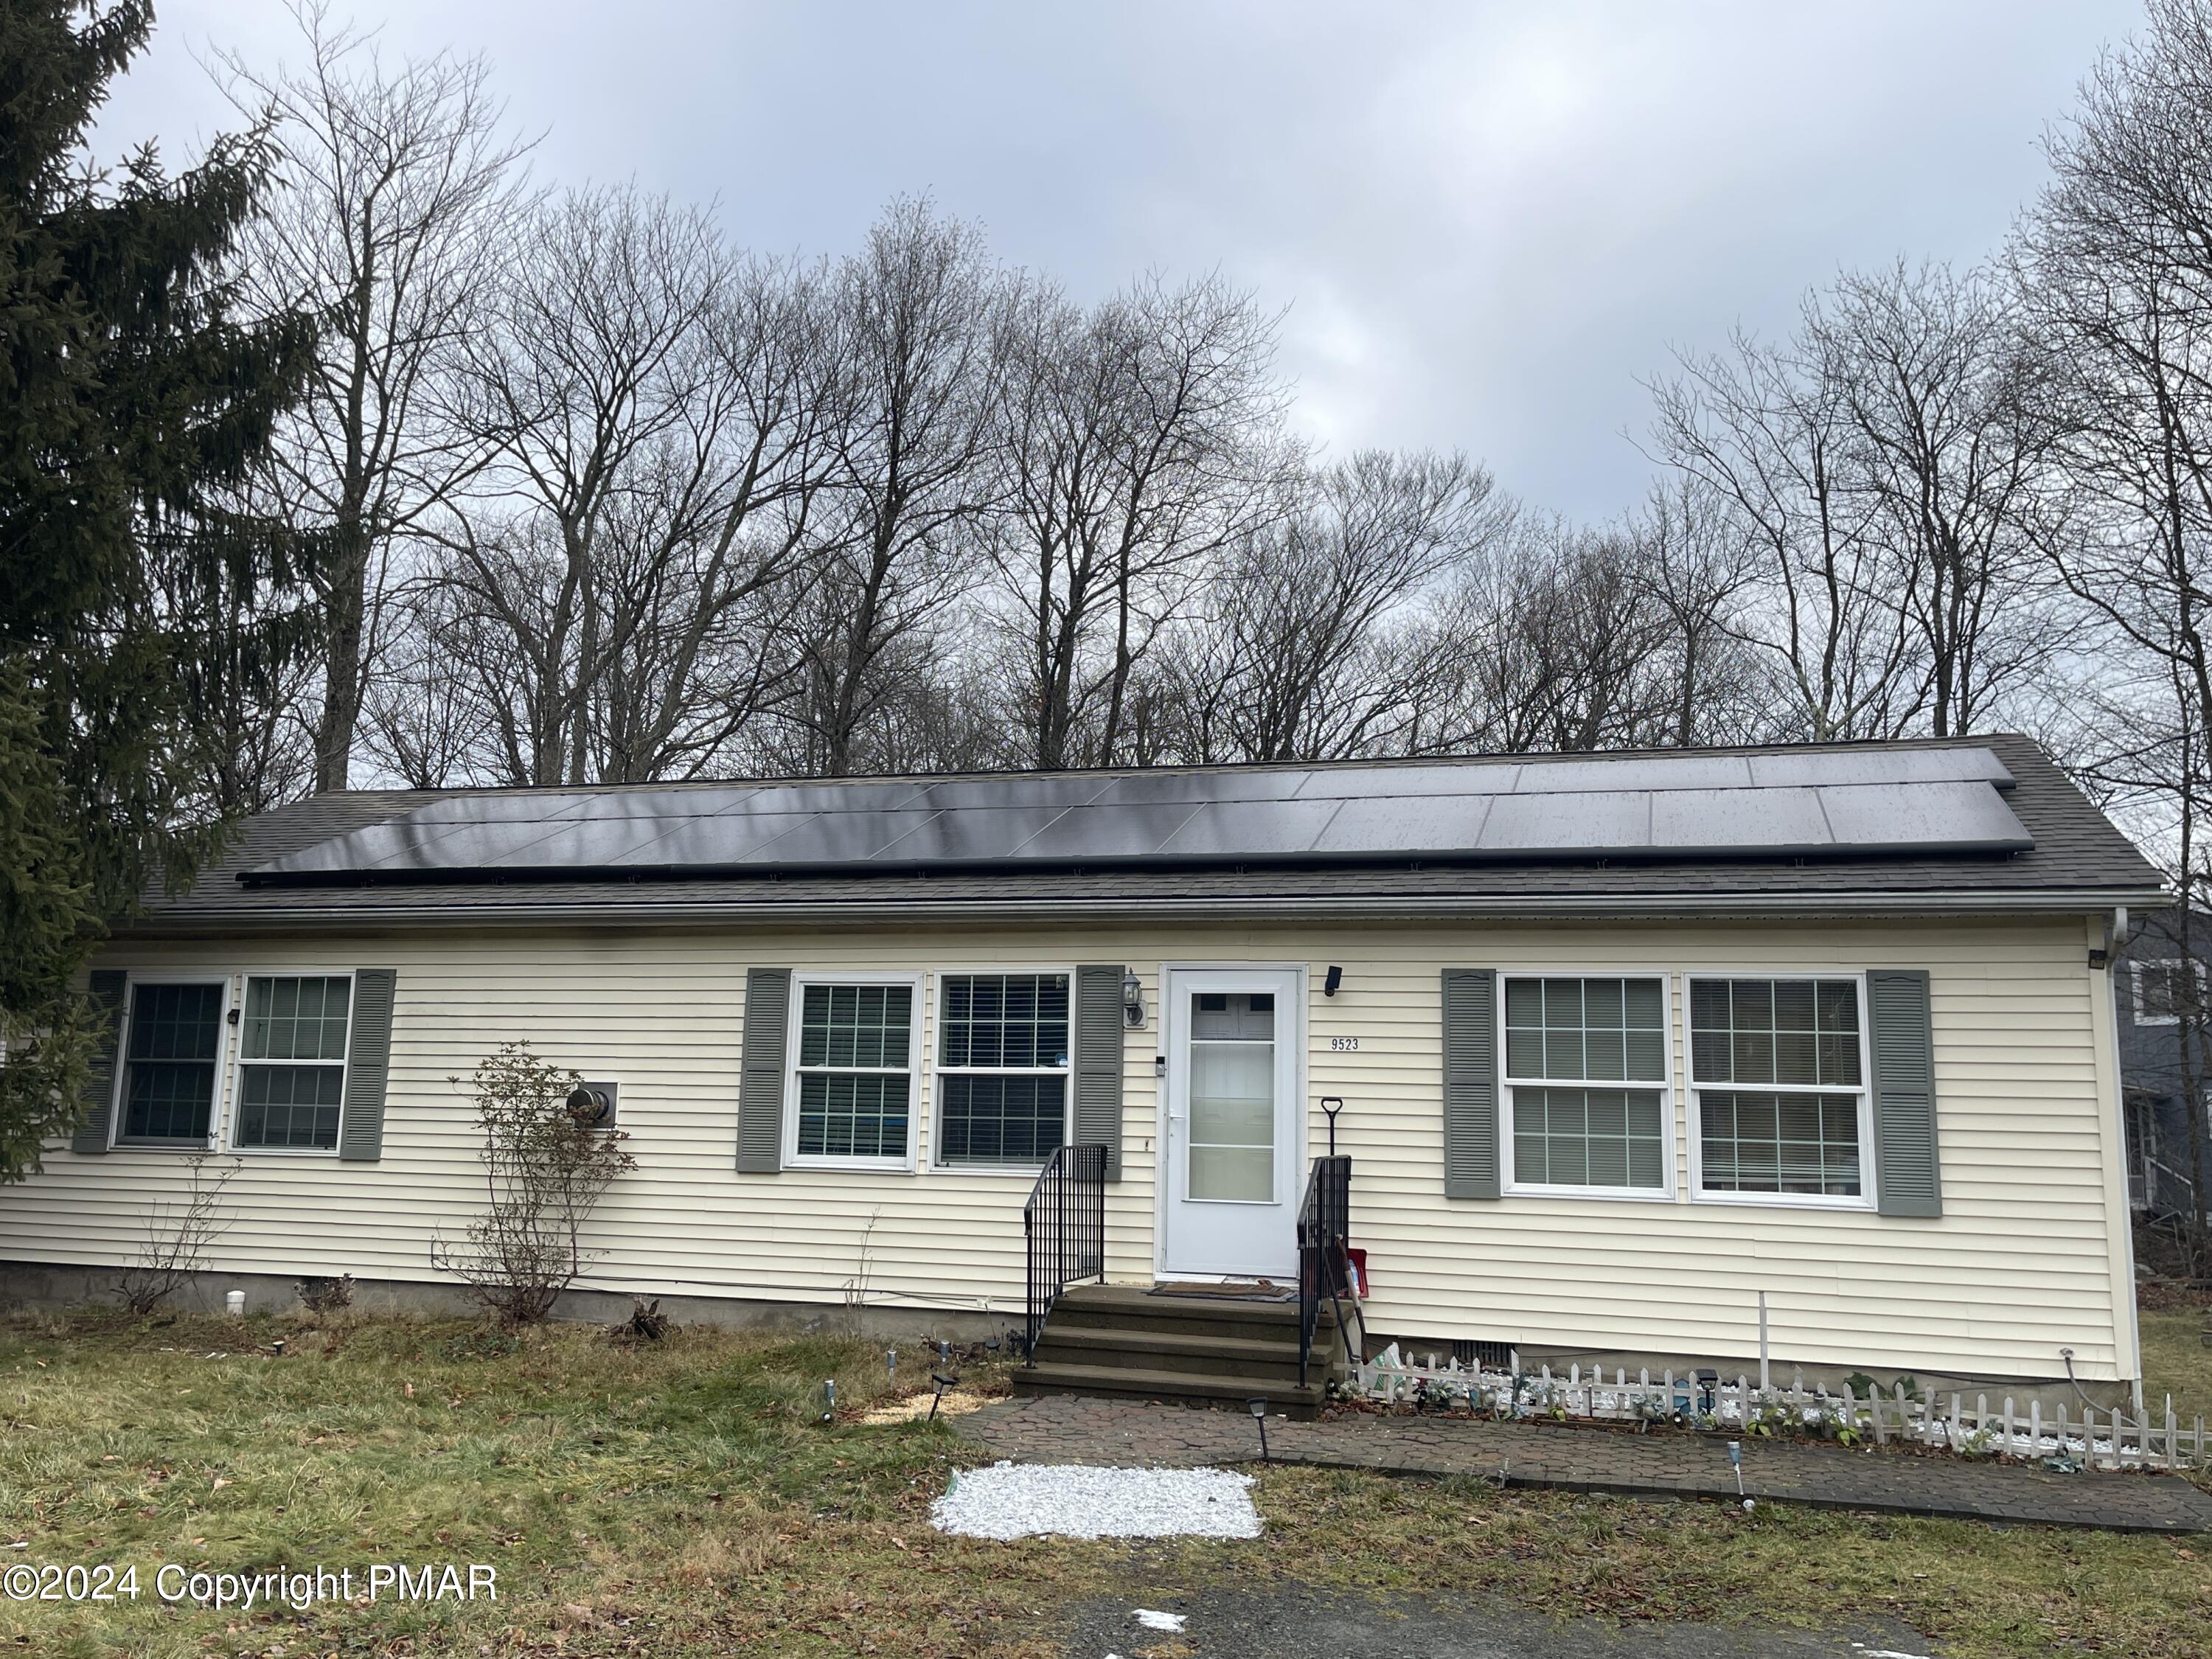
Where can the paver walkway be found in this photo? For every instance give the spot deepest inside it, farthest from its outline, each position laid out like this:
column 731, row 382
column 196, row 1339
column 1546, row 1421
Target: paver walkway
column 1066, row 1429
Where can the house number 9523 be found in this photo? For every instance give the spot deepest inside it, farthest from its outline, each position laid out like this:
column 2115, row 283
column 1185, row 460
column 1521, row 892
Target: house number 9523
column 1344, row 1045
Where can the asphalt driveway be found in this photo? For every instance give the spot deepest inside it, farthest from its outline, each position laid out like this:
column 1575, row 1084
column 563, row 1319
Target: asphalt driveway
column 1294, row 1623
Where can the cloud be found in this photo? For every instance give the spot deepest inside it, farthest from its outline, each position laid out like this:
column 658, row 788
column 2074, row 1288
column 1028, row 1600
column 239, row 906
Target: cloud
column 1486, row 220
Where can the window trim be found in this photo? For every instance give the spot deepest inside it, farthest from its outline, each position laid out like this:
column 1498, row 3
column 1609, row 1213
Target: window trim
column 1667, row 1192
column 934, row 1164
column 1869, row 1198
column 917, row 1103
column 235, row 1093
column 119, row 1102
column 2136, row 966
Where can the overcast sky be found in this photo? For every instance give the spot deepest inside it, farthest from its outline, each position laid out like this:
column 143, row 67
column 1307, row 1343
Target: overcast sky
column 1487, row 221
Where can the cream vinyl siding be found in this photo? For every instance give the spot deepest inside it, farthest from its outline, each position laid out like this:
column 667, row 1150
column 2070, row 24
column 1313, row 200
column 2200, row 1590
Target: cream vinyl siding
column 2029, row 1256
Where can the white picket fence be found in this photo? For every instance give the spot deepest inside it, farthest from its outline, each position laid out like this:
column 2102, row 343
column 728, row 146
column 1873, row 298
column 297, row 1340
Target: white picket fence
column 2085, row 1438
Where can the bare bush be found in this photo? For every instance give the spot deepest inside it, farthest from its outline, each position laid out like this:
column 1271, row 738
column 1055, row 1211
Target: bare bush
column 546, row 1170
column 322, row 1297
column 645, row 1323
column 177, row 1236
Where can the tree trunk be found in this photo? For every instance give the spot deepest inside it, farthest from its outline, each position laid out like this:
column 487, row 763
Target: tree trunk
column 344, row 603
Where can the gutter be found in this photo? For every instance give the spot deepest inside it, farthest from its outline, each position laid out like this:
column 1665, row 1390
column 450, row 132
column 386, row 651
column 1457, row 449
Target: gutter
column 1065, row 908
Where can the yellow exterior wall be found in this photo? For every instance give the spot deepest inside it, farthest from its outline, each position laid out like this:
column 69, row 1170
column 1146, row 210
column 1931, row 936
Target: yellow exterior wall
column 2031, row 1254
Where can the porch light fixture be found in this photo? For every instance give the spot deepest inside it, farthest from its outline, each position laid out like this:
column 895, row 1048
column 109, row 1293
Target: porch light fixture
column 1335, row 978
column 1132, row 1000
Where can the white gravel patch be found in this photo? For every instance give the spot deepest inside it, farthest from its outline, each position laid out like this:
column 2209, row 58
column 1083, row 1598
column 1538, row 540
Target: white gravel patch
column 1029, row 1500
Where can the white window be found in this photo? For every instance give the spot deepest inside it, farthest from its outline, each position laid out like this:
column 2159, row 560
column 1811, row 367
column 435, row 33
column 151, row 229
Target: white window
column 1001, row 1068
column 851, row 1098
column 292, row 1061
column 1586, row 1085
column 2163, row 989
column 1779, row 1104
column 172, row 1054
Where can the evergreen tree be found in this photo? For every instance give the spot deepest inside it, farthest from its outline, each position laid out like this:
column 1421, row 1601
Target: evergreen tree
column 135, row 395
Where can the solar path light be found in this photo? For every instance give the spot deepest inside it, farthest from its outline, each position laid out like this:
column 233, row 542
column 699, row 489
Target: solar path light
column 1259, row 1410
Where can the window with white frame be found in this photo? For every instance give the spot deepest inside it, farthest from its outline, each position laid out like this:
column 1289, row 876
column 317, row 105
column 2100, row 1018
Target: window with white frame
column 169, row 1062
column 1001, row 1067
column 1777, row 1077
column 1586, row 1077
column 854, row 1072
column 292, row 1061
column 2164, row 988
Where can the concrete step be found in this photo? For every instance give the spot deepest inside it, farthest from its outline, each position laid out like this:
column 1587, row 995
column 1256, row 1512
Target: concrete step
column 1124, row 1307
column 1173, row 1388
column 1272, row 1360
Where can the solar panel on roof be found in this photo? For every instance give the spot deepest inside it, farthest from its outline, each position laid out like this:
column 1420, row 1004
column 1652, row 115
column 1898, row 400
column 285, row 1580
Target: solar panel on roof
column 585, row 841
column 1251, row 828
column 1552, row 777
column 1016, row 792
column 724, row 839
column 1405, row 824
column 1889, row 814
column 1783, row 819
column 860, row 797
column 1875, row 766
column 1090, row 834
column 973, row 835
column 1591, row 821
column 1136, row 788
column 533, row 805
column 1848, row 801
column 1365, row 782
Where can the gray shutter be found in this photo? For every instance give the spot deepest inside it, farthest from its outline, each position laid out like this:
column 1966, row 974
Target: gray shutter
column 1097, row 1060
column 1907, row 1181
column 368, row 1066
column 91, row 1136
column 760, row 1071
column 1470, row 1016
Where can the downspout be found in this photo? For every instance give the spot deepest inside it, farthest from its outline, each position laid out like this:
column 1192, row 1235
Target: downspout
column 2106, row 1018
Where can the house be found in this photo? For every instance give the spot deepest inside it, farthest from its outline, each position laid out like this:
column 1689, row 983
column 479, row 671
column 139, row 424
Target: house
column 2161, row 992
column 1615, row 1045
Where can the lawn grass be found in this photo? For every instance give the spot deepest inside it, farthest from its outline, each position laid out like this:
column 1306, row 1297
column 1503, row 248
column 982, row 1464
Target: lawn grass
column 685, row 1497
column 2176, row 1362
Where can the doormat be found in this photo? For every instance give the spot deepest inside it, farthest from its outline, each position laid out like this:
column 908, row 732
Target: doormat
column 1247, row 1290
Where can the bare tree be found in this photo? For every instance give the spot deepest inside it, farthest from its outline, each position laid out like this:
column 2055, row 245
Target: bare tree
column 660, row 416
column 590, row 362
column 1768, row 431
column 394, row 181
column 1138, row 442
column 1554, row 641
column 1950, row 433
column 1300, row 650
column 919, row 336
column 2116, row 260
column 1696, row 564
column 712, row 538
column 427, row 719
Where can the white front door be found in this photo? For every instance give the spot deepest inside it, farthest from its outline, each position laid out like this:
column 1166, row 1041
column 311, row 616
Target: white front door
column 1230, row 1204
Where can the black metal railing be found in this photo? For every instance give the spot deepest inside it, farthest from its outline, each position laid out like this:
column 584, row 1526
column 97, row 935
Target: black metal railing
column 1324, row 1253
column 1063, row 1231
